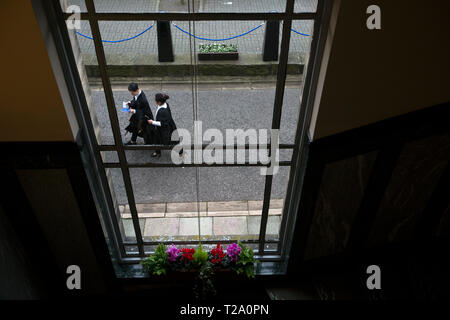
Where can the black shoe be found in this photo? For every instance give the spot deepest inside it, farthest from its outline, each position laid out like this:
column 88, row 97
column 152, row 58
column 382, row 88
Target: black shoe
column 129, row 143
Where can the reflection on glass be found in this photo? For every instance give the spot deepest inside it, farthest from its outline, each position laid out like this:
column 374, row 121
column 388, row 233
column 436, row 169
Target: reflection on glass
column 110, row 156
column 277, row 199
column 120, row 202
column 88, row 70
column 297, row 59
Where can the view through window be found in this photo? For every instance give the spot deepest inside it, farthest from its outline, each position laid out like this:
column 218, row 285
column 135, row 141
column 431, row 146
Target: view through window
column 234, row 72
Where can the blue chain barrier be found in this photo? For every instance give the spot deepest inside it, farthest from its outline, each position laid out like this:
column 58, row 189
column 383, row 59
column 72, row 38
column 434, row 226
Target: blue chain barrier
column 192, row 35
column 116, row 41
column 224, row 39
column 303, row 34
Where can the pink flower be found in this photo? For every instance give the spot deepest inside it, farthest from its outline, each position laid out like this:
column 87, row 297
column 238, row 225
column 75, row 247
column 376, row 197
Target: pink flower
column 172, row 253
column 233, row 251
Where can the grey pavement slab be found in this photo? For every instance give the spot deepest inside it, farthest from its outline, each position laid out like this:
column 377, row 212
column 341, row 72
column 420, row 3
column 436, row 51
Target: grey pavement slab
column 189, row 226
column 129, row 229
column 230, row 226
column 273, row 225
column 162, row 227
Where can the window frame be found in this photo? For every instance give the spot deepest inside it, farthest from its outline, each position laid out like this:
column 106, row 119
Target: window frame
column 320, row 19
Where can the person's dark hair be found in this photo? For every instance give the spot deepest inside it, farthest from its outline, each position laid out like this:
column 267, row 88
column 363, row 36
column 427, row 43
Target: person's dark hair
column 161, row 97
column 133, row 87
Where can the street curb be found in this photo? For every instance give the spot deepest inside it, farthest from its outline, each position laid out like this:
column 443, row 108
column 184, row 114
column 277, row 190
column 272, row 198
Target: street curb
column 211, row 209
column 185, row 70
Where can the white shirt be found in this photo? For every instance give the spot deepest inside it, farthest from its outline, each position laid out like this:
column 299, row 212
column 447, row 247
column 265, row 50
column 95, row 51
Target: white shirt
column 158, row 123
column 136, row 97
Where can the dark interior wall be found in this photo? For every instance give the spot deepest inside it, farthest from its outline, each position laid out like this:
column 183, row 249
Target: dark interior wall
column 378, row 194
column 378, row 185
column 373, row 75
column 47, row 197
column 415, row 177
column 444, row 224
column 52, row 226
column 53, row 202
column 342, row 188
column 18, row 279
column 420, row 166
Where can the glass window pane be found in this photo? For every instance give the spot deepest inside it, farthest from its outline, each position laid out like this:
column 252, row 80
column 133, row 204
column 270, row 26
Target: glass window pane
column 121, row 206
column 234, row 91
column 87, row 65
column 110, row 156
column 299, row 47
column 129, row 6
column 305, row 5
column 68, row 4
column 166, row 200
column 277, row 198
column 243, row 6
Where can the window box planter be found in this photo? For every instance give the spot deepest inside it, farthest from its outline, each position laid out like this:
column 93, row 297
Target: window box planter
column 215, row 52
column 200, row 267
column 218, row 56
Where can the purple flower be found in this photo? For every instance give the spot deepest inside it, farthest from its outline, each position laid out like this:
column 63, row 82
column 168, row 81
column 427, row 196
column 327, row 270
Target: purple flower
column 233, row 251
column 172, row 253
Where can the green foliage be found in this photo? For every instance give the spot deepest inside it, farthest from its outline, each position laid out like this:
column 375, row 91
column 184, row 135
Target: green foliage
column 204, row 286
column 217, row 48
column 157, row 263
column 246, row 262
column 200, row 256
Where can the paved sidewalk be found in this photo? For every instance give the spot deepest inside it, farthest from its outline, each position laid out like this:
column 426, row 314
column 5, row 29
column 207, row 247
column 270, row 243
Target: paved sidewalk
column 179, row 221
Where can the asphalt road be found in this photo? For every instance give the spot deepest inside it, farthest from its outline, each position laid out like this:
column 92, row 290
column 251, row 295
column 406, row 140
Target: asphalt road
column 221, row 109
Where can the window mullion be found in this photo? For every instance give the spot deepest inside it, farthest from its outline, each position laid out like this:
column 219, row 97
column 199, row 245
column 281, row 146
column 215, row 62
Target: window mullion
column 114, row 121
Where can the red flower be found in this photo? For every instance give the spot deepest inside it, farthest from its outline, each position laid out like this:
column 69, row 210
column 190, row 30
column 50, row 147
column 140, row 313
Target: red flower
column 186, row 254
column 217, row 254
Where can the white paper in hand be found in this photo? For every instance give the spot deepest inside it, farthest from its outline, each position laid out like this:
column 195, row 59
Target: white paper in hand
column 125, row 107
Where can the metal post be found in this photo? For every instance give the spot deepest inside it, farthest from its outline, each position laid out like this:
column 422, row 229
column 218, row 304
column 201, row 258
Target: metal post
column 165, row 47
column 271, row 40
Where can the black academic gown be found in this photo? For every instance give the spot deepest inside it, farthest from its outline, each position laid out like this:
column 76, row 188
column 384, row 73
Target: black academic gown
column 138, row 120
column 164, row 132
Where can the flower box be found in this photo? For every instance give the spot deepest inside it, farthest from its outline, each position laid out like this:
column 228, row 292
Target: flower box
column 218, row 56
column 218, row 52
column 200, row 266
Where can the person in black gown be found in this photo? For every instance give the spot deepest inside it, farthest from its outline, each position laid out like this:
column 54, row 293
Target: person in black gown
column 141, row 113
column 163, row 123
